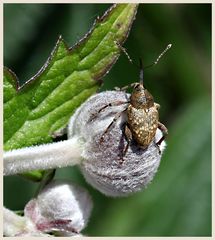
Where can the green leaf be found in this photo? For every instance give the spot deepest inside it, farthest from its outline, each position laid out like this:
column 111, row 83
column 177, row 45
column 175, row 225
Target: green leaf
column 34, row 111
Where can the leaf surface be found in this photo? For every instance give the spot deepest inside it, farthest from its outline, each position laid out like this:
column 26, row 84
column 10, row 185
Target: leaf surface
column 43, row 105
column 35, row 111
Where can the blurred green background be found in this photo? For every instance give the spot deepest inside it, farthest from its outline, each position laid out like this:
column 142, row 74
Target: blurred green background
column 178, row 201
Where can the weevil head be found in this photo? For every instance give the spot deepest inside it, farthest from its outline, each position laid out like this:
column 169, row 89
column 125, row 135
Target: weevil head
column 141, row 98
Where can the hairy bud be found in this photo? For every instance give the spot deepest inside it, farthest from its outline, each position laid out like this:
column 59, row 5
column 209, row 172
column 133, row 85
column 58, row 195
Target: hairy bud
column 101, row 159
column 61, row 206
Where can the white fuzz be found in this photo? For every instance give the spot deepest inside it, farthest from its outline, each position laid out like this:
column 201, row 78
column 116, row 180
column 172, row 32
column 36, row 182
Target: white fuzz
column 13, row 224
column 61, row 206
column 101, row 166
column 46, row 156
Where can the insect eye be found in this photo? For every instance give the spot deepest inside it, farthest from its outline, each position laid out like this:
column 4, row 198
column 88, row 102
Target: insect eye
column 137, row 87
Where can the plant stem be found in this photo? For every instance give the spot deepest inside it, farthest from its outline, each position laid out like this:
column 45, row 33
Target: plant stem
column 42, row 157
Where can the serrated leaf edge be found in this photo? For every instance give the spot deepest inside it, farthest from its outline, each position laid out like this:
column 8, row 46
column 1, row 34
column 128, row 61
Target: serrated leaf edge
column 70, row 49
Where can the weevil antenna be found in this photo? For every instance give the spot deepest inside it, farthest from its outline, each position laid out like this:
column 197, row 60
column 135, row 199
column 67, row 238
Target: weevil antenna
column 126, row 54
column 141, row 71
column 159, row 57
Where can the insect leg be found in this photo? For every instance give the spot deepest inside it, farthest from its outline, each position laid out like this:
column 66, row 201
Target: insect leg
column 128, row 136
column 125, row 87
column 111, row 124
column 164, row 131
column 118, row 103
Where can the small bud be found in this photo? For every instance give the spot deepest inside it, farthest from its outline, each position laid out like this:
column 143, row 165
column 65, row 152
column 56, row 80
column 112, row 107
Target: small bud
column 101, row 165
column 60, row 206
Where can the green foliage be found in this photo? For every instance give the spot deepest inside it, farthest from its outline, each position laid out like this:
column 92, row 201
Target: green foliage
column 178, row 201
column 44, row 105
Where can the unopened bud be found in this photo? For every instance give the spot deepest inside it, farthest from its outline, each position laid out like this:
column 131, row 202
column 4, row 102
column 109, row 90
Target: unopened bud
column 61, row 206
column 101, row 164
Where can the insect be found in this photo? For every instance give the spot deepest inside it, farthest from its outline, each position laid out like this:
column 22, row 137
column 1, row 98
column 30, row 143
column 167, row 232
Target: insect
column 142, row 115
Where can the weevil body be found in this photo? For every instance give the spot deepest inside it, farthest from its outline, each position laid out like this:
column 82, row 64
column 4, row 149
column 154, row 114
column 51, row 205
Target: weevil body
column 142, row 116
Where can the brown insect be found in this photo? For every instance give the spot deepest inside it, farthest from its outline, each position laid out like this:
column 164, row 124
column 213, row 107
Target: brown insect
column 142, row 115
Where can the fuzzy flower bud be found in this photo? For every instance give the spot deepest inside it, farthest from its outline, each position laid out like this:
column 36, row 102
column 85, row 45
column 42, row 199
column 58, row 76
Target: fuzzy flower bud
column 61, row 207
column 101, row 166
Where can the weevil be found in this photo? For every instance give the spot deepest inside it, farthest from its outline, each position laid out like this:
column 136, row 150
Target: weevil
column 142, row 115
column 142, row 118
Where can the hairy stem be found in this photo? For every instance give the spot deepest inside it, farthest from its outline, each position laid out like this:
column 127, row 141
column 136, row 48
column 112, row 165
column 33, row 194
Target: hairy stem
column 46, row 156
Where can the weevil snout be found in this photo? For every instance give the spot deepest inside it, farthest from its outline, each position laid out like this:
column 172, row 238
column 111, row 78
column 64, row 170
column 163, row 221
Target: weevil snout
column 138, row 87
